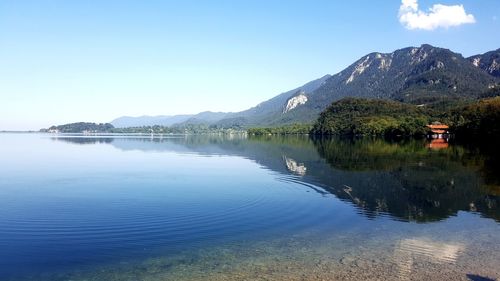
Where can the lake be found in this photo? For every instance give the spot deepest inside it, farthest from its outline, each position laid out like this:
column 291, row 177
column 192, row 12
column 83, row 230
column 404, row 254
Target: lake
column 247, row 208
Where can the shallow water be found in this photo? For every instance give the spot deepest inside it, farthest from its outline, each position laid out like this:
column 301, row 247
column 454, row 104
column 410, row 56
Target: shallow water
column 236, row 208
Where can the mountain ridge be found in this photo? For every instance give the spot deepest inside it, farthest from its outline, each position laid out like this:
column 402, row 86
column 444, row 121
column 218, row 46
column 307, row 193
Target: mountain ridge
column 415, row 75
column 489, row 62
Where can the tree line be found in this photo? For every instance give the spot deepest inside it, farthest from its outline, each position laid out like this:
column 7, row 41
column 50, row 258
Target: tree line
column 376, row 117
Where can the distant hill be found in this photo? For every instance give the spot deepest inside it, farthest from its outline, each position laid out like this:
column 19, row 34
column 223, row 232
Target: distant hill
column 205, row 117
column 163, row 120
column 80, row 127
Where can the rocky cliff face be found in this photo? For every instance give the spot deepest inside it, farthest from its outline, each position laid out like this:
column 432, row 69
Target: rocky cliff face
column 489, row 62
column 295, row 101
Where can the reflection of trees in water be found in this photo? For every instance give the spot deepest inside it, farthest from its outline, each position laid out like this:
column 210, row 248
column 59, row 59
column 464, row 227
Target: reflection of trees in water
column 408, row 181
column 84, row 140
column 403, row 179
column 485, row 157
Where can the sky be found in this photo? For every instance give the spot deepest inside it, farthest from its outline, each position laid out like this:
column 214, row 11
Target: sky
column 96, row 60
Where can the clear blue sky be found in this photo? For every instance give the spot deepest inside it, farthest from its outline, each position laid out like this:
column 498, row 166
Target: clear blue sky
column 67, row 61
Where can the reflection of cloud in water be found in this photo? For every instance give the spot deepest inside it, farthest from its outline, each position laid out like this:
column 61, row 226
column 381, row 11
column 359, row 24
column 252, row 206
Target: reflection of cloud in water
column 294, row 167
column 410, row 250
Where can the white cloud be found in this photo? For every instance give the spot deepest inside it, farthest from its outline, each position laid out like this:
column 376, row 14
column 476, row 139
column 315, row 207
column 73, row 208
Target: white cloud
column 438, row 16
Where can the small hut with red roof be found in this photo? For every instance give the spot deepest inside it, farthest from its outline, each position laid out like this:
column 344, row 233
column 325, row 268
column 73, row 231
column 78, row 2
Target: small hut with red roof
column 438, row 129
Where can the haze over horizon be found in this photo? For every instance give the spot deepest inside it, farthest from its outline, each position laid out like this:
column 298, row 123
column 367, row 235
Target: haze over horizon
column 66, row 62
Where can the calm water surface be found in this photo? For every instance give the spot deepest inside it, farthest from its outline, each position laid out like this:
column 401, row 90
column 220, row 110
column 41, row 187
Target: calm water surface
column 234, row 208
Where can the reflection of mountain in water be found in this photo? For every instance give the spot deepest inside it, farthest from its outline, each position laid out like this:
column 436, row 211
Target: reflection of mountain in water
column 294, row 167
column 409, row 181
column 404, row 180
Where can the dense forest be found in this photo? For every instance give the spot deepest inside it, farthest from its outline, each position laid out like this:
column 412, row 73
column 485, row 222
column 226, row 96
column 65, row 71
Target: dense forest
column 351, row 117
column 375, row 117
column 295, row 129
column 354, row 116
column 84, row 127
column 480, row 119
column 186, row 129
column 80, row 127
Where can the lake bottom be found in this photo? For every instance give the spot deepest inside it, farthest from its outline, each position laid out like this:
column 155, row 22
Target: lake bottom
column 379, row 250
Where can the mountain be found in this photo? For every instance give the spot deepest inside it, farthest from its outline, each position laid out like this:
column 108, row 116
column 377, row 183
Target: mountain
column 269, row 112
column 409, row 74
column 264, row 113
column 163, row 120
column 206, row 117
column 412, row 75
column 489, row 62
column 417, row 75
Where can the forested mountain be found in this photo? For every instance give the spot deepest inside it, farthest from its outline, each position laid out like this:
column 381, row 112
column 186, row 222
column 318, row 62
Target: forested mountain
column 489, row 62
column 409, row 74
column 422, row 75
